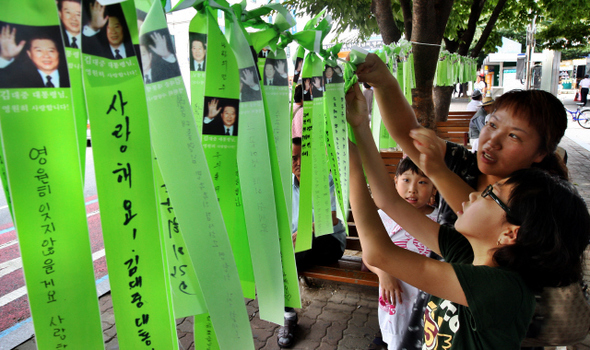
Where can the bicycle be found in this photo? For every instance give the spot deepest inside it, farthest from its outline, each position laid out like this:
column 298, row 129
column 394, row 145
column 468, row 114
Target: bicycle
column 582, row 116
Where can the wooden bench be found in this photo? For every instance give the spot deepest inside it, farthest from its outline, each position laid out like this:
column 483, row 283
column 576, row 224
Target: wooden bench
column 391, row 160
column 460, row 115
column 349, row 269
column 455, row 128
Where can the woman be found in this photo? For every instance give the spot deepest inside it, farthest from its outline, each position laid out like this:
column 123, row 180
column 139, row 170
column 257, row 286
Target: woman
column 523, row 131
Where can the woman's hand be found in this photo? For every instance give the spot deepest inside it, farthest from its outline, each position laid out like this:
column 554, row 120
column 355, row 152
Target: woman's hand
column 356, row 107
column 374, row 72
column 432, row 151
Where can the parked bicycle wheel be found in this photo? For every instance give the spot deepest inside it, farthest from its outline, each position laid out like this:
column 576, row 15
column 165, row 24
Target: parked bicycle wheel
column 584, row 119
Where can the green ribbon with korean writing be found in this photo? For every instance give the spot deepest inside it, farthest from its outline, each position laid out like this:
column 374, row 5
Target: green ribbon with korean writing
column 255, row 170
column 276, row 101
column 314, row 188
column 337, row 137
column 125, row 184
column 187, row 297
column 40, row 150
column 220, row 149
column 180, row 154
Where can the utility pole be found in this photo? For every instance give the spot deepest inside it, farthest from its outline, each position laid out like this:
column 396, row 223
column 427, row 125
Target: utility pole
column 530, row 50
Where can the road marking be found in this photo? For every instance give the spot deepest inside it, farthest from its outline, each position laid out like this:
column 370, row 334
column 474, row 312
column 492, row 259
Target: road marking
column 8, row 244
column 15, row 264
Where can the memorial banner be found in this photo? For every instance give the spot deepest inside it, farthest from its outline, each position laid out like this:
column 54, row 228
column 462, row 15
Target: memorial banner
column 41, row 154
column 124, row 177
column 276, row 101
column 180, row 154
column 337, row 135
column 197, row 64
column 255, row 170
column 220, row 133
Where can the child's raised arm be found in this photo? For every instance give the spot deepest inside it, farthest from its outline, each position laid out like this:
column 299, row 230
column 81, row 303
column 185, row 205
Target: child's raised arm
column 398, row 116
column 430, row 275
column 400, row 121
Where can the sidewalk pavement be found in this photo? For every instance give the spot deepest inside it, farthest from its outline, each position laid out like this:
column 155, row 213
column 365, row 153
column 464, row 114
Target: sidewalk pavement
column 337, row 316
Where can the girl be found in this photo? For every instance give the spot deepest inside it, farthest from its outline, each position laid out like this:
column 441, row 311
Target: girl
column 397, row 298
column 517, row 236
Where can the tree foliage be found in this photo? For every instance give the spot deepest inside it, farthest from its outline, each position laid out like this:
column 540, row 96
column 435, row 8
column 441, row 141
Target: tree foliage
column 348, row 15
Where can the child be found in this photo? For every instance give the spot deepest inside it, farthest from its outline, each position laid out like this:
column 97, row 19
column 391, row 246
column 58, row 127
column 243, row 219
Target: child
column 519, row 235
column 397, row 298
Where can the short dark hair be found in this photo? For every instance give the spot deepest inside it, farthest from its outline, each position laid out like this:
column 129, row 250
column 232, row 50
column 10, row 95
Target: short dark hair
column 554, row 230
column 407, row 164
column 40, row 35
column 297, row 141
column 546, row 114
column 298, row 97
column 60, row 2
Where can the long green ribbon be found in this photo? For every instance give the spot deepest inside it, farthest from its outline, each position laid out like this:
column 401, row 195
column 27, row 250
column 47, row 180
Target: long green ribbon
column 43, row 173
column 220, row 150
column 198, row 43
column 255, row 170
column 337, row 142
column 125, row 184
column 276, row 100
column 177, row 145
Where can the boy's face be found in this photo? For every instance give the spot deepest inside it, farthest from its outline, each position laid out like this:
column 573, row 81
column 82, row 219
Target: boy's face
column 416, row 189
column 478, row 211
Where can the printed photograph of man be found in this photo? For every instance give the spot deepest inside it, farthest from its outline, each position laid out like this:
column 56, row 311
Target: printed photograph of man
column 330, row 76
column 35, row 62
column 198, row 51
column 221, row 117
column 274, row 72
column 158, row 61
column 106, row 34
column 70, row 15
column 249, row 89
column 307, row 90
column 317, row 88
column 297, row 71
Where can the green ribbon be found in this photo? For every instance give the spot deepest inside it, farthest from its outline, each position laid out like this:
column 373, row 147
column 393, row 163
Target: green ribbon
column 41, row 155
column 182, row 161
column 125, row 183
column 337, row 144
column 278, row 120
column 255, row 170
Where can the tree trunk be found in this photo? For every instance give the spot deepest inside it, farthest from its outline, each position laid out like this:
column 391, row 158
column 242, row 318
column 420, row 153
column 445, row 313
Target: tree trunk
column 442, row 96
column 428, row 25
column 488, row 29
column 384, row 16
column 469, row 33
column 406, row 6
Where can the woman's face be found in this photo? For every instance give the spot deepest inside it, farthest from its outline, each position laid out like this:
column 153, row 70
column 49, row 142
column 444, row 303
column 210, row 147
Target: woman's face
column 507, row 144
